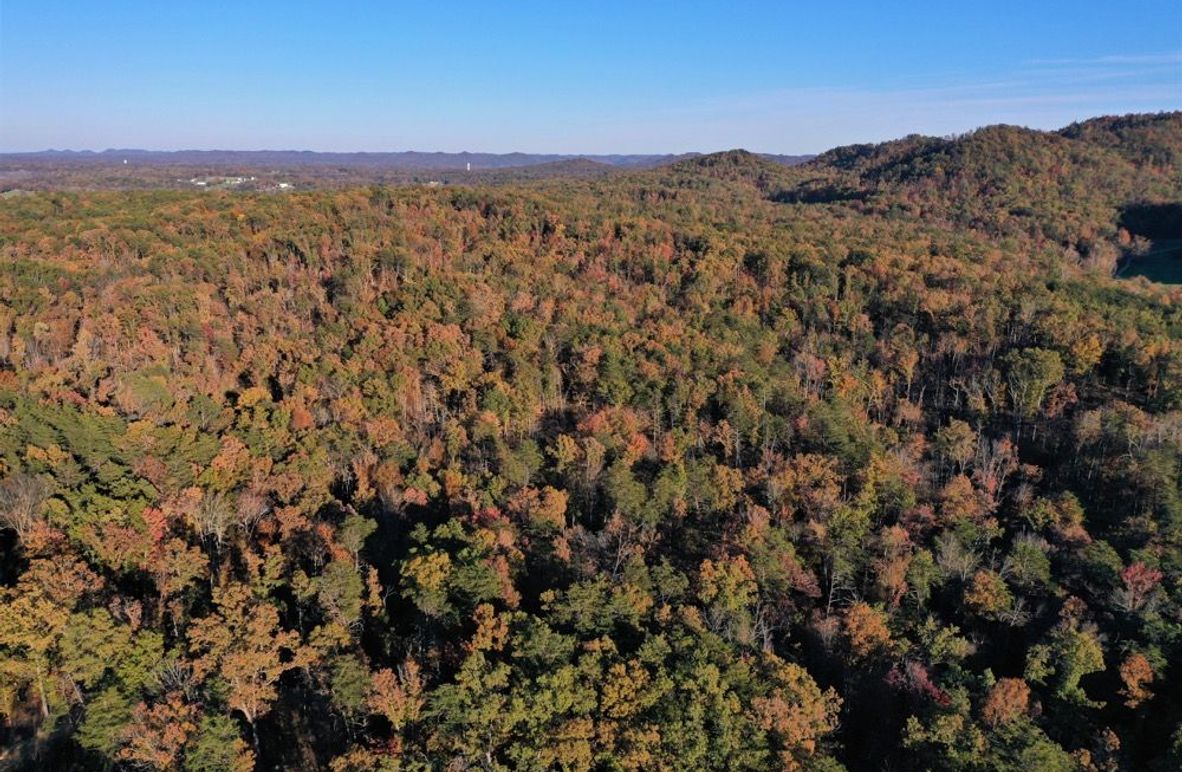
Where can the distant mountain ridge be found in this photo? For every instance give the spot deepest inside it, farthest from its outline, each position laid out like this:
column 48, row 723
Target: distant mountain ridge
column 401, row 160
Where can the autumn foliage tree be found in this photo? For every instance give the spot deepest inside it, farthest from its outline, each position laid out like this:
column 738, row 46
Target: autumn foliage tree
column 718, row 465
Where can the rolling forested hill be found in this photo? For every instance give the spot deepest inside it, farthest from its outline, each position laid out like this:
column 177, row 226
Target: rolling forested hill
column 865, row 463
column 1067, row 187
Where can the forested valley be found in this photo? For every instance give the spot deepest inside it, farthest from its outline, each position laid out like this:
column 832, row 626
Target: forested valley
column 868, row 463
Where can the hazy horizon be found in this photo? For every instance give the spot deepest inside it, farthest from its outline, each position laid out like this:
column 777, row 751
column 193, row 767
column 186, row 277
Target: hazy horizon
column 418, row 151
column 537, row 78
column 519, row 151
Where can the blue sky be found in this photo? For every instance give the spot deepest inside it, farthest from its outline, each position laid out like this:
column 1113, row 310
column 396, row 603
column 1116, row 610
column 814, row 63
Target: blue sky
column 588, row 77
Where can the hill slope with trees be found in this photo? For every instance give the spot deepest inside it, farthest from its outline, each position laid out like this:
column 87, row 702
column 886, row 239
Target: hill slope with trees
column 864, row 464
column 1066, row 188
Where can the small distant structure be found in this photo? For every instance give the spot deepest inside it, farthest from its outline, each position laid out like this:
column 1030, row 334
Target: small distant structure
column 469, row 165
column 284, row 185
column 125, row 162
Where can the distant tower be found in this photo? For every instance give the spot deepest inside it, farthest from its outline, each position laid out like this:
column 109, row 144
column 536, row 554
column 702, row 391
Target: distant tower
column 469, row 165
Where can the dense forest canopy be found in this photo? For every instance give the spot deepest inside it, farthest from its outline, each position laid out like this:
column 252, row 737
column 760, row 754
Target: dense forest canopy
column 866, row 463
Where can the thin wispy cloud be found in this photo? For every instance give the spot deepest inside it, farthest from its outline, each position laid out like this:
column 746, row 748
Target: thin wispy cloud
column 1171, row 57
column 816, row 118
